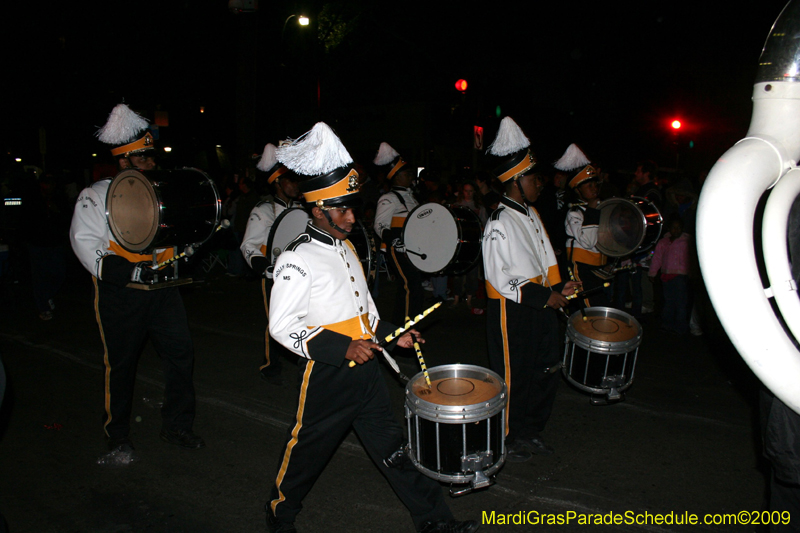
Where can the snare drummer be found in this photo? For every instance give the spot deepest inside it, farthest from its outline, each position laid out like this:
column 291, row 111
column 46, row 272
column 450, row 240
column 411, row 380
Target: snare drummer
column 390, row 215
column 523, row 286
column 582, row 222
column 321, row 309
column 286, row 195
column 127, row 316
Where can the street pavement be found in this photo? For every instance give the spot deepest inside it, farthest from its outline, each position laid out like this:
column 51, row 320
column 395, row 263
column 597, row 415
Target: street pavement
column 684, row 441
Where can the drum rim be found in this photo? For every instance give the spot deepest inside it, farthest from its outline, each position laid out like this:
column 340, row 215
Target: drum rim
column 604, row 347
column 612, row 201
column 455, row 478
column 275, row 224
column 453, row 414
column 156, row 201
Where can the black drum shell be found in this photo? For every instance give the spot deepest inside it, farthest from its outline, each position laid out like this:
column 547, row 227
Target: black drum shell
column 149, row 210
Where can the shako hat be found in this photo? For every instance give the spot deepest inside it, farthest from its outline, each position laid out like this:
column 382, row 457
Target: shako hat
column 575, row 162
column 388, row 157
column 511, row 149
column 320, row 155
column 269, row 164
column 126, row 131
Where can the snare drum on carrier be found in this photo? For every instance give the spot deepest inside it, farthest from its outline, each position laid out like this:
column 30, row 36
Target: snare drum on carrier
column 456, row 428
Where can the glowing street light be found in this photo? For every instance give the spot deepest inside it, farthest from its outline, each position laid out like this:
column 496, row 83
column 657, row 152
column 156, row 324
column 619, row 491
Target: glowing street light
column 303, row 20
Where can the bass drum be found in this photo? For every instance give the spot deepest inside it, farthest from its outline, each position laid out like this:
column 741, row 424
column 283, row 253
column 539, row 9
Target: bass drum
column 442, row 240
column 365, row 249
column 147, row 210
column 286, row 228
column 628, row 226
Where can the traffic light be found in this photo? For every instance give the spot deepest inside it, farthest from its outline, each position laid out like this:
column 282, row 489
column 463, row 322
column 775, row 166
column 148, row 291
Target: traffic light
column 461, row 86
column 675, row 125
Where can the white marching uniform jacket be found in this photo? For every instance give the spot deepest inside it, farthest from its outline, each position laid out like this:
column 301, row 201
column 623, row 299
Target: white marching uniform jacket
column 261, row 220
column 391, row 213
column 582, row 225
column 94, row 243
column 320, row 301
column 518, row 258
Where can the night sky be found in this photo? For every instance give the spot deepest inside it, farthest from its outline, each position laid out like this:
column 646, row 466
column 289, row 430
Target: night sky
column 605, row 76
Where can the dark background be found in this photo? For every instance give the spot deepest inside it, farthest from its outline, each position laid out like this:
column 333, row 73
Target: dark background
column 605, row 75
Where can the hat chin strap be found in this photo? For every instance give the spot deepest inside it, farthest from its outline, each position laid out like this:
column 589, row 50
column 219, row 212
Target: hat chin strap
column 521, row 192
column 334, row 226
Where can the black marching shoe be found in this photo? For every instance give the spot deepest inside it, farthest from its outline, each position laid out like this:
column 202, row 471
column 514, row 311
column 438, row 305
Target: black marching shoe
column 516, row 452
column 276, row 526
column 537, row 446
column 450, row 526
column 183, row 438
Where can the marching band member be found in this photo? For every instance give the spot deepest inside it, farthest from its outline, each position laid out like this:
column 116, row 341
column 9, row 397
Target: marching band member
column 321, row 309
column 583, row 221
column 254, row 245
column 128, row 316
column 522, row 282
column 390, row 215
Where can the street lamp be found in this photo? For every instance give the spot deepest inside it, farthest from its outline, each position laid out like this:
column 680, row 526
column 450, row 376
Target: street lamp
column 301, row 19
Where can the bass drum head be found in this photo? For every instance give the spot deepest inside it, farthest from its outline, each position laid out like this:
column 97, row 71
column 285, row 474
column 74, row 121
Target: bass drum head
column 430, row 235
column 132, row 210
column 286, row 228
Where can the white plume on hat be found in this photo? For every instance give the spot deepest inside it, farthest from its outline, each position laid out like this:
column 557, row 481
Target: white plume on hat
column 510, row 139
column 268, row 158
column 386, row 154
column 572, row 159
column 316, row 152
column 122, row 126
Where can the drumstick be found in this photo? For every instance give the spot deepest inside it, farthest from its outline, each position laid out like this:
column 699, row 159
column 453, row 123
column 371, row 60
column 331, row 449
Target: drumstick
column 421, row 360
column 224, row 223
column 408, row 325
column 588, row 292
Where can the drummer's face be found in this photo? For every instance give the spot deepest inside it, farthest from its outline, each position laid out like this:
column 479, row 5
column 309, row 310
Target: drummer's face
column 588, row 191
column 290, row 188
column 142, row 161
column 343, row 218
column 531, row 186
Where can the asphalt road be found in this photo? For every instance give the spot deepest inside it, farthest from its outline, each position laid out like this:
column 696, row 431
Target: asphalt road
column 684, row 441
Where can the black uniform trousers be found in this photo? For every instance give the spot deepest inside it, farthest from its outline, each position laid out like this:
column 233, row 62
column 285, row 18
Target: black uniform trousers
column 410, row 297
column 523, row 349
column 127, row 317
column 332, row 400
column 583, row 273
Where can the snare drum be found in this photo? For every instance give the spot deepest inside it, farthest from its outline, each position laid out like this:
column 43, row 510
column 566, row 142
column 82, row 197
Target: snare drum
column 601, row 351
column 628, row 226
column 154, row 209
column 286, row 228
column 456, row 429
column 442, row 240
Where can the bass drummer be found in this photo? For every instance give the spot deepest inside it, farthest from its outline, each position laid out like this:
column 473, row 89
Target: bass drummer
column 127, row 316
column 582, row 223
column 390, row 216
column 286, row 194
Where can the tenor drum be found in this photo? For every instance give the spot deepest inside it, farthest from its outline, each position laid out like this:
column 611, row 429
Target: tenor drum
column 456, row 428
column 442, row 240
column 147, row 210
column 601, row 351
column 628, row 226
column 286, row 228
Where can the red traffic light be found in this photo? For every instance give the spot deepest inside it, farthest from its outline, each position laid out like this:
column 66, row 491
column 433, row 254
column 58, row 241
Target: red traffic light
column 461, row 85
column 675, row 124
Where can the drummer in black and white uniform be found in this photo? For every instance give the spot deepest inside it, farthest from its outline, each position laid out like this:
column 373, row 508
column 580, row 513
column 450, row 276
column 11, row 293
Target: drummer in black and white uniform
column 321, row 309
column 524, row 288
column 286, row 192
column 128, row 316
column 582, row 224
column 390, row 215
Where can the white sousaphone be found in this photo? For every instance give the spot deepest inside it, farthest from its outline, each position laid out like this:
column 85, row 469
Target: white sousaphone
column 765, row 159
